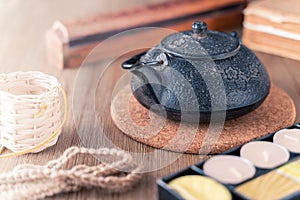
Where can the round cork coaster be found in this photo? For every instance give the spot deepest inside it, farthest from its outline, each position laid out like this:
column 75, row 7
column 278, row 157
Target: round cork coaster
column 277, row 112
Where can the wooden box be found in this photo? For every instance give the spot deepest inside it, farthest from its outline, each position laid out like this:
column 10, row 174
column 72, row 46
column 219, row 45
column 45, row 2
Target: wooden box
column 69, row 42
column 273, row 26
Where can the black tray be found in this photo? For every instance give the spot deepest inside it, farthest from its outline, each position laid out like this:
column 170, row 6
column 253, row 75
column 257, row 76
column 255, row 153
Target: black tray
column 166, row 193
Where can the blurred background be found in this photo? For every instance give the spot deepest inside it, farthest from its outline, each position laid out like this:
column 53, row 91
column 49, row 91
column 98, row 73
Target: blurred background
column 23, row 25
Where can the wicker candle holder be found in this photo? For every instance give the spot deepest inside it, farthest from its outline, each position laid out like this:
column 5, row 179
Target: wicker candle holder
column 29, row 110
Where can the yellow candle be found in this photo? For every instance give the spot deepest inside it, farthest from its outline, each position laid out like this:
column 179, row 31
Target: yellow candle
column 276, row 184
column 196, row 187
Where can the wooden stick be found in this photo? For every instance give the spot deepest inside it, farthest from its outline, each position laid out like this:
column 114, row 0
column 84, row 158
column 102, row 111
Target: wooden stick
column 69, row 42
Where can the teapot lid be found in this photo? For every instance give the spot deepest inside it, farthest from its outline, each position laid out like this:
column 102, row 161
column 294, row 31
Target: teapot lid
column 201, row 43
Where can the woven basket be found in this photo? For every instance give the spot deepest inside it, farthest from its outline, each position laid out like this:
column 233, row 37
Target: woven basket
column 29, row 110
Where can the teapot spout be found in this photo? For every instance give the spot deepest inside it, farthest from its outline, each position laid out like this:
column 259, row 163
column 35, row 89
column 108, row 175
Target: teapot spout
column 146, row 74
column 135, row 63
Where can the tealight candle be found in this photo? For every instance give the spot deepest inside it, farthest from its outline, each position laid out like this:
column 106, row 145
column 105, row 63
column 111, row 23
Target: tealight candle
column 194, row 187
column 265, row 155
column 289, row 138
column 229, row 169
column 280, row 183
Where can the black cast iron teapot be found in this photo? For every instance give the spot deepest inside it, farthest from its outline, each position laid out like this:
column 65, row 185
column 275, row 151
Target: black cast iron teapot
column 198, row 72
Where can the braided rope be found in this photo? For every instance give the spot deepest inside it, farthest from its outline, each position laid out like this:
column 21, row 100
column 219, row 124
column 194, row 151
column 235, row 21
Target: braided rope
column 28, row 181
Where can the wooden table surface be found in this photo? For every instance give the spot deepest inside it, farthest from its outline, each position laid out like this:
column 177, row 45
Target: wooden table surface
column 22, row 48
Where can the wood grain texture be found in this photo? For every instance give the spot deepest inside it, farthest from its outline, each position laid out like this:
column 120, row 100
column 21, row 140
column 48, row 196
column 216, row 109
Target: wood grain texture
column 23, row 25
column 272, row 44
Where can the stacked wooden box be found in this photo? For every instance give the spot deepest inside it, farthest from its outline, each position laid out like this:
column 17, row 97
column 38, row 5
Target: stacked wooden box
column 273, row 26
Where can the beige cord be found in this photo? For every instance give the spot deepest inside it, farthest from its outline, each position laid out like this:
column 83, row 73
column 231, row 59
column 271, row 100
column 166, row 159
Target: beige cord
column 28, row 181
column 46, row 141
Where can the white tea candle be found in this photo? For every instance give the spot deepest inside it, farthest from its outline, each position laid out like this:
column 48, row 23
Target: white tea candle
column 264, row 154
column 289, row 138
column 229, row 169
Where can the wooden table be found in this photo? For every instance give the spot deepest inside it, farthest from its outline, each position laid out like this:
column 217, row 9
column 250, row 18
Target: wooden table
column 22, row 48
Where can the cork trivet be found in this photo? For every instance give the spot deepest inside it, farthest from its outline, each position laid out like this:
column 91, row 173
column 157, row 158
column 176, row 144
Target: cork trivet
column 276, row 112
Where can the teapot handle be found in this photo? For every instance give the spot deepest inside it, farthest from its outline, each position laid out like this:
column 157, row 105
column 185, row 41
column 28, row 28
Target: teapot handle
column 135, row 62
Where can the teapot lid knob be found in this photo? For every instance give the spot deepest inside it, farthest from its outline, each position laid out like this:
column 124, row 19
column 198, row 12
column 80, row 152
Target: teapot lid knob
column 199, row 28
